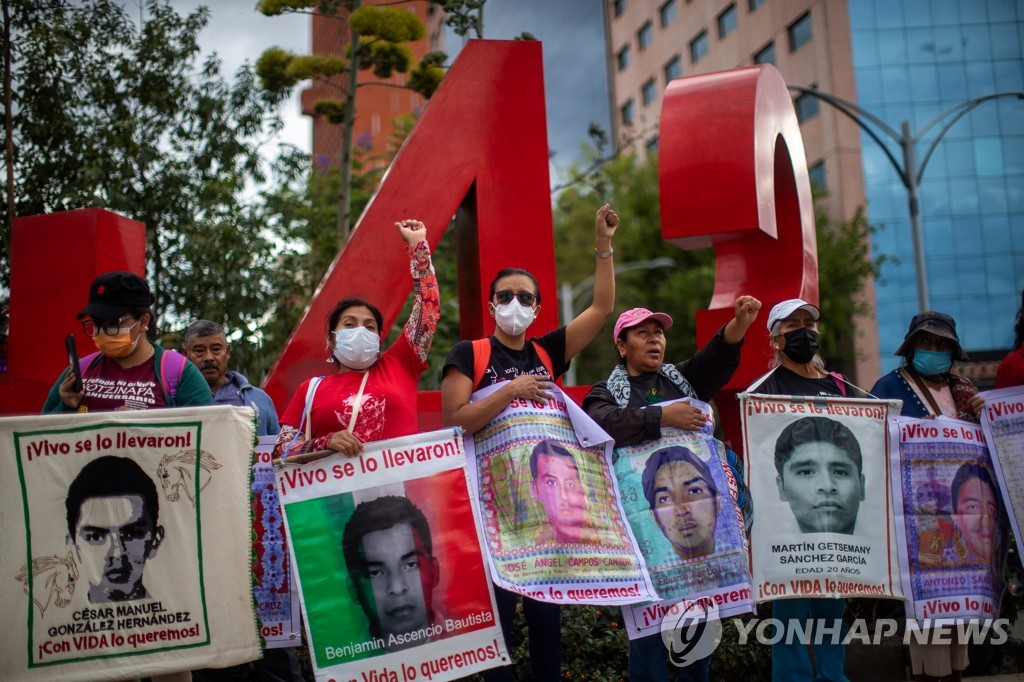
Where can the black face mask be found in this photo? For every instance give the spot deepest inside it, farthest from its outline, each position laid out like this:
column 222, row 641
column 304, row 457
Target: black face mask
column 801, row 345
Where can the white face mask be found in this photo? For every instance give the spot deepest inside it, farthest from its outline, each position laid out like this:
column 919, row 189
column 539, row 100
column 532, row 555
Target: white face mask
column 513, row 317
column 356, row 347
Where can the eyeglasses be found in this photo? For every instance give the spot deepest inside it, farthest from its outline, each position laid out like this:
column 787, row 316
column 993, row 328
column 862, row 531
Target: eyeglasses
column 93, row 327
column 506, row 296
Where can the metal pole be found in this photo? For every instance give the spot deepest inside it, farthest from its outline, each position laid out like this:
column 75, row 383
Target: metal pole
column 907, row 142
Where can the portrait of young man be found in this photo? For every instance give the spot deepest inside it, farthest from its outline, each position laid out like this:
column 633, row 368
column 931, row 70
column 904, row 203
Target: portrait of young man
column 819, row 472
column 556, row 485
column 389, row 554
column 976, row 513
column 112, row 518
column 684, row 500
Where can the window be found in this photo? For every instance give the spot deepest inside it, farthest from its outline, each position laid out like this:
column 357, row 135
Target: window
column 673, row 69
column 806, row 107
column 754, row 4
column 766, row 55
column 816, row 174
column 644, row 36
column 620, row 7
column 699, row 46
column 667, row 12
column 627, row 113
column 652, row 145
column 799, row 32
column 623, row 58
column 727, row 21
column 648, row 92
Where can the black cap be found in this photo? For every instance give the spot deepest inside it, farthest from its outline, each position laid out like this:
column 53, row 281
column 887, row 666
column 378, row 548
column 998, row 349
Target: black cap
column 939, row 324
column 113, row 294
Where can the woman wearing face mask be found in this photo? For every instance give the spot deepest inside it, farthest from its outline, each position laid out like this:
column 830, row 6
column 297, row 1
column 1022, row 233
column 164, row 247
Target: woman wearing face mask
column 924, row 382
column 526, row 367
column 928, row 389
column 372, row 396
column 129, row 372
column 797, row 369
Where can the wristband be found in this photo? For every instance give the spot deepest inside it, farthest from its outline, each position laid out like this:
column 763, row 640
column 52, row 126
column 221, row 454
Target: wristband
column 604, row 254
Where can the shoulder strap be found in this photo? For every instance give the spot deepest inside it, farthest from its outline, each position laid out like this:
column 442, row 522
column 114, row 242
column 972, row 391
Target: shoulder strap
column 925, row 391
column 840, row 382
column 83, row 363
column 545, row 359
column 305, row 420
column 481, row 358
column 176, row 362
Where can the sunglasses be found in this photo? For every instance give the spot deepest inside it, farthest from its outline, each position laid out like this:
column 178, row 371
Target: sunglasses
column 94, row 327
column 506, row 296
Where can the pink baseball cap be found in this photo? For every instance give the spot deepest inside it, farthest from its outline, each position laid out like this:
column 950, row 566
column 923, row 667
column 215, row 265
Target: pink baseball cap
column 632, row 318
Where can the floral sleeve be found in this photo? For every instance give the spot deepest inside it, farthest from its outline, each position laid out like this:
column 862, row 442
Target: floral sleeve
column 426, row 307
column 300, row 444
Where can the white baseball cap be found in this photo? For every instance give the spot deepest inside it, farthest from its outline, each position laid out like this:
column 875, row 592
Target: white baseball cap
column 783, row 310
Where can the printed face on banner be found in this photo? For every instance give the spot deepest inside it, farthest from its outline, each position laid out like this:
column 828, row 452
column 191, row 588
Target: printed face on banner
column 394, row 573
column 975, row 515
column 686, row 506
column 113, row 539
column 557, row 487
column 820, row 475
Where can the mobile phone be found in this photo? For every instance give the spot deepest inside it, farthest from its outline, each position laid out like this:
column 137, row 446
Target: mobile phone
column 76, row 368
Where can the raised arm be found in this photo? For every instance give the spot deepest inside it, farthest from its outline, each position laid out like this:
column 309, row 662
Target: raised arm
column 587, row 324
column 426, row 306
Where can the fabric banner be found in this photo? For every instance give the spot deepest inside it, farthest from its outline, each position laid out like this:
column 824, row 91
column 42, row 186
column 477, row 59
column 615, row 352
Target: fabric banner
column 277, row 599
column 128, row 536
column 554, row 528
column 387, row 554
column 818, row 471
column 1003, row 422
column 679, row 498
column 949, row 517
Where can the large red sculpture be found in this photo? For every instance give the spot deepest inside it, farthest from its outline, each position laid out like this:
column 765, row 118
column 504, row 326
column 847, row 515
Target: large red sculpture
column 732, row 176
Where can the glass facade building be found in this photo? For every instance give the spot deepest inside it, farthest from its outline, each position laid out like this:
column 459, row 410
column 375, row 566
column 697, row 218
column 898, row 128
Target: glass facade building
column 913, row 60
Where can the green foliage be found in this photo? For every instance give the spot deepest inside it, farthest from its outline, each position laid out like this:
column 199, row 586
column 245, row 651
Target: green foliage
column 387, row 58
column 125, row 117
column 273, row 8
column 331, row 109
column 426, row 77
column 464, row 16
column 387, row 24
column 525, row 35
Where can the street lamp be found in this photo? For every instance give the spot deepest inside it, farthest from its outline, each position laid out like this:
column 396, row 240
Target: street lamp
column 910, row 172
column 567, row 295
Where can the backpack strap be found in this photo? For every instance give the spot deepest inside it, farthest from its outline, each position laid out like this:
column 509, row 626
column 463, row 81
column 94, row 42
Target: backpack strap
column 545, row 359
column 840, row 382
column 172, row 366
column 481, row 358
column 84, row 363
column 305, row 420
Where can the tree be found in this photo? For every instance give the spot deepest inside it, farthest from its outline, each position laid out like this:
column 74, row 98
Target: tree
column 377, row 41
column 630, row 185
column 120, row 115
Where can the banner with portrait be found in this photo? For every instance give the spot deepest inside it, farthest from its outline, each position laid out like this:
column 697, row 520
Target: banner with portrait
column 126, row 542
column 679, row 498
column 818, row 470
column 1003, row 423
column 950, row 518
column 387, row 554
column 553, row 525
column 277, row 599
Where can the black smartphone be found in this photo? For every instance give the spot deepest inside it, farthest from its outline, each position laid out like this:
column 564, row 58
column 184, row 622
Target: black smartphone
column 76, row 368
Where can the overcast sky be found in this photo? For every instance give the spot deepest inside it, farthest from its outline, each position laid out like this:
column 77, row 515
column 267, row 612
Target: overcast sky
column 570, row 30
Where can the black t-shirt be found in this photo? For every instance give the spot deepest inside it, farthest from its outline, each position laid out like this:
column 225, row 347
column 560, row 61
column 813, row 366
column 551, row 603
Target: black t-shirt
column 785, row 382
column 506, row 363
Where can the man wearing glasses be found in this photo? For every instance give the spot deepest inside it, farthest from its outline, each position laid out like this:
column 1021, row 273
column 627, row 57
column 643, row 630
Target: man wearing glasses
column 129, row 372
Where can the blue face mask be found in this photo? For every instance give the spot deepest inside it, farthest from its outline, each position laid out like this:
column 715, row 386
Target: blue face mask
column 931, row 362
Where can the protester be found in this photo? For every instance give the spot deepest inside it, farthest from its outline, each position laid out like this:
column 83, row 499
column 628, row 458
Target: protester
column 798, row 370
column 928, row 389
column 925, row 383
column 622, row 406
column 372, row 395
column 1011, row 370
column 526, row 366
column 129, row 372
column 206, row 345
